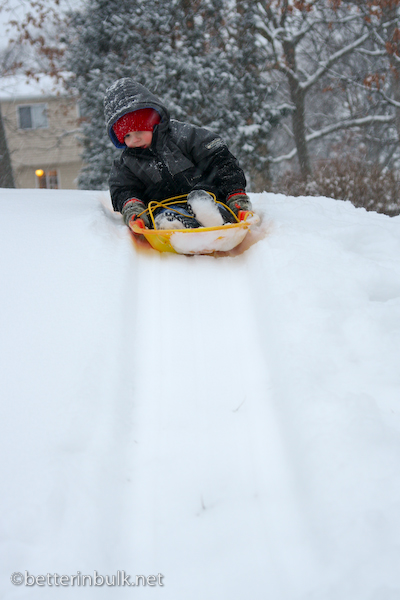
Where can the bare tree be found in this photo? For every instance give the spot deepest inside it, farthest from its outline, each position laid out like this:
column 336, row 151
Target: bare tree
column 305, row 42
column 383, row 20
column 6, row 172
column 35, row 28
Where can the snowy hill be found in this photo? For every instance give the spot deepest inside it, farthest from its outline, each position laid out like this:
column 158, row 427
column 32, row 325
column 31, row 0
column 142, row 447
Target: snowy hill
column 232, row 424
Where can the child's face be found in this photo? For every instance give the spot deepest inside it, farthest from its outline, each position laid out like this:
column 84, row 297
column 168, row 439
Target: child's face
column 138, row 139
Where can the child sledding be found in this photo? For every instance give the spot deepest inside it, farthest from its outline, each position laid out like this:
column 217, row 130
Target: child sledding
column 170, row 175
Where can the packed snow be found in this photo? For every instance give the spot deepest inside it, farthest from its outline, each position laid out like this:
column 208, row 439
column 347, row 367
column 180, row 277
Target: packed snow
column 204, row 209
column 207, row 242
column 229, row 426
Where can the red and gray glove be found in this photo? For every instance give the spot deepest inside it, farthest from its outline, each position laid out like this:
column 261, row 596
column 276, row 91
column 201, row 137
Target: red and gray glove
column 239, row 201
column 131, row 209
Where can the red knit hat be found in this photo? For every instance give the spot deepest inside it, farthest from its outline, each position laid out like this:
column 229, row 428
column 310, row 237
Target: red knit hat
column 143, row 119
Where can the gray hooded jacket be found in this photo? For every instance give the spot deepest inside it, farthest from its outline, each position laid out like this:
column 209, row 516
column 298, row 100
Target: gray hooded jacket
column 181, row 158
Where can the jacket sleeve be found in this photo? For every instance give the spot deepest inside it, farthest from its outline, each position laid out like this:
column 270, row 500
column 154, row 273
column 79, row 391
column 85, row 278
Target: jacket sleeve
column 123, row 184
column 220, row 170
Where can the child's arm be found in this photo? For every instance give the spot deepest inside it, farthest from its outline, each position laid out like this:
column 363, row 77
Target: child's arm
column 126, row 190
column 124, row 186
column 220, row 170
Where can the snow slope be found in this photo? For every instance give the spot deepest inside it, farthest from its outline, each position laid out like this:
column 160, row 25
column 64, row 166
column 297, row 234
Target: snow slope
column 231, row 423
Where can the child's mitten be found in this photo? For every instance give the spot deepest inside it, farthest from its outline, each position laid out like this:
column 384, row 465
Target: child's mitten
column 131, row 209
column 238, row 201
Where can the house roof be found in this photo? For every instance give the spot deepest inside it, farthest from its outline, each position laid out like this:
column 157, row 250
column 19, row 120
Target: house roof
column 19, row 87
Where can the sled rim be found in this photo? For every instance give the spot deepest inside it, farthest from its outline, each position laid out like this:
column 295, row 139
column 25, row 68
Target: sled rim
column 160, row 239
column 154, row 232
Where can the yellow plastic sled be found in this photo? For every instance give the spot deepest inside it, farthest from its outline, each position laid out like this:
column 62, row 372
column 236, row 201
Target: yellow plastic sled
column 202, row 240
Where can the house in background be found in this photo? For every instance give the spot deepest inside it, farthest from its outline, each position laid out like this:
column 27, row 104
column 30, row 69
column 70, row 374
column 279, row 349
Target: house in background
column 41, row 123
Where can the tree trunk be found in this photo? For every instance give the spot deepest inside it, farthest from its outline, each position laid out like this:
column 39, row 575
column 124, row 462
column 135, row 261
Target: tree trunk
column 299, row 132
column 297, row 96
column 6, row 172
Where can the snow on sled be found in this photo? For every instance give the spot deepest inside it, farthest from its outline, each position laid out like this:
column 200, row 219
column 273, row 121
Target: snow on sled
column 201, row 240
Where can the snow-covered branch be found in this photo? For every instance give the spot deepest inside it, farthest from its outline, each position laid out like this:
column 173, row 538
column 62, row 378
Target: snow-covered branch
column 389, row 100
column 305, row 85
column 348, row 124
column 284, row 157
column 336, row 127
column 297, row 37
column 371, row 52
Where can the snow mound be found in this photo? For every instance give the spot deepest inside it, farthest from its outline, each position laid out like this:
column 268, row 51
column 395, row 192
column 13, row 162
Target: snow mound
column 205, row 209
column 231, row 423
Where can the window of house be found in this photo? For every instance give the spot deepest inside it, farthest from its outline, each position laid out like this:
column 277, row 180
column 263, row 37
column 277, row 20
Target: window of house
column 32, row 116
column 52, row 179
column 47, row 179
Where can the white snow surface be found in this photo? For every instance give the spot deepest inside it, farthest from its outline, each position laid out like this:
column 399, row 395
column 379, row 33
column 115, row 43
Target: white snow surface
column 231, row 423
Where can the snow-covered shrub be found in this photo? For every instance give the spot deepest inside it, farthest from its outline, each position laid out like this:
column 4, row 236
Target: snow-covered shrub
column 363, row 184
